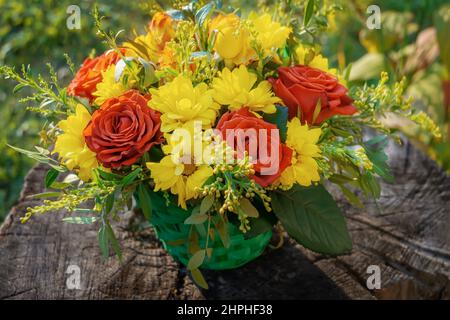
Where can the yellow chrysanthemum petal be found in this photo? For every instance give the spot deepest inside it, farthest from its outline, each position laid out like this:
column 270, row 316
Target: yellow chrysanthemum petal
column 234, row 89
column 180, row 102
column 182, row 180
column 71, row 147
column 108, row 87
column 304, row 169
column 270, row 35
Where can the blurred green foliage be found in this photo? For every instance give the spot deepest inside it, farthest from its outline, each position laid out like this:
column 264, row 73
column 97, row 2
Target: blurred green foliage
column 34, row 32
column 413, row 42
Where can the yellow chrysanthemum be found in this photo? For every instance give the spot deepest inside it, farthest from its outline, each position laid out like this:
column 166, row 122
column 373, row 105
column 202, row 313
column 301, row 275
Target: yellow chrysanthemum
column 270, row 35
column 71, row 147
column 108, row 87
column 232, row 39
column 235, row 89
column 180, row 102
column 303, row 141
column 181, row 179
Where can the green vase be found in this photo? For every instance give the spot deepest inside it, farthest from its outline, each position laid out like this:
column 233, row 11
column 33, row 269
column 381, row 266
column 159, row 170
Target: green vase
column 168, row 222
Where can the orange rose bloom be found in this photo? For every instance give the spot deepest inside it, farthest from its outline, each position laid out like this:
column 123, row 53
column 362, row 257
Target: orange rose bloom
column 123, row 129
column 90, row 74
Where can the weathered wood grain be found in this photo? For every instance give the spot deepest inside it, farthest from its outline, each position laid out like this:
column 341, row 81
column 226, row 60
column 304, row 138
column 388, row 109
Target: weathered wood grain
column 406, row 234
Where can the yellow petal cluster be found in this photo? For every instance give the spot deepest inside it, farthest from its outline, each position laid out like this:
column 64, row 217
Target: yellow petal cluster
column 235, row 90
column 303, row 141
column 108, row 87
column 180, row 103
column 71, row 147
column 232, row 39
column 181, row 179
column 270, row 35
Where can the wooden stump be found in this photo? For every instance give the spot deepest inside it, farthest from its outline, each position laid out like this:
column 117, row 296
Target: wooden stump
column 406, row 235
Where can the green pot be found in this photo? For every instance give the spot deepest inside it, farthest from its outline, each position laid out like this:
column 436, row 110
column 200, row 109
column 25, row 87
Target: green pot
column 168, row 222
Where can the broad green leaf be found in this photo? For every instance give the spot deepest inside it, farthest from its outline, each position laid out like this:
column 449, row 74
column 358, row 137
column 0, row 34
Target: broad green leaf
column 311, row 216
column 199, row 279
column 80, row 220
column 196, row 260
column 50, row 177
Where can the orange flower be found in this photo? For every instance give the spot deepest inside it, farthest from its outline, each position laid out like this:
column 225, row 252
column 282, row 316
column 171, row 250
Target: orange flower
column 90, row 74
column 123, row 129
column 152, row 46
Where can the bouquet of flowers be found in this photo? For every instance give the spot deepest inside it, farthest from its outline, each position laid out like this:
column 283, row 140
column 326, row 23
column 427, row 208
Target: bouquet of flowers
column 219, row 126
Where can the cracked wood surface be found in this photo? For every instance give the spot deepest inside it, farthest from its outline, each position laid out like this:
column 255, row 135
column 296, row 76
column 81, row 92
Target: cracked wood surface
column 406, row 234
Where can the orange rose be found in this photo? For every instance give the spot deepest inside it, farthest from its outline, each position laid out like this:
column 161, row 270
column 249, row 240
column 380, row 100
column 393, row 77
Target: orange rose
column 239, row 125
column 90, row 74
column 302, row 87
column 123, row 129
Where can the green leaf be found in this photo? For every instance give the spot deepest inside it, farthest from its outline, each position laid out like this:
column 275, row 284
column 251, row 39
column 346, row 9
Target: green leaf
column 149, row 72
column 19, row 87
column 280, row 119
column 44, row 195
column 145, row 201
column 102, row 237
column 131, row 177
column 351, row 197
column 113, row 240
column 109, row 176
column 109, row 203
column 248, row 208
column 309, row 10
column 50, row 177
column 222, row 230
column 375, row 152
column 367, row 67
column 199, row 279
column 312, row 218
column 196, row 260
column 176, row 14
column 206, row 204
column 203, row 13
column 80, row 220
column 196, row 218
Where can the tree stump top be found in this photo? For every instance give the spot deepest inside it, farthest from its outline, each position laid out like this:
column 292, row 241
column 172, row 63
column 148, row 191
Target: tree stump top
column 406, row 234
